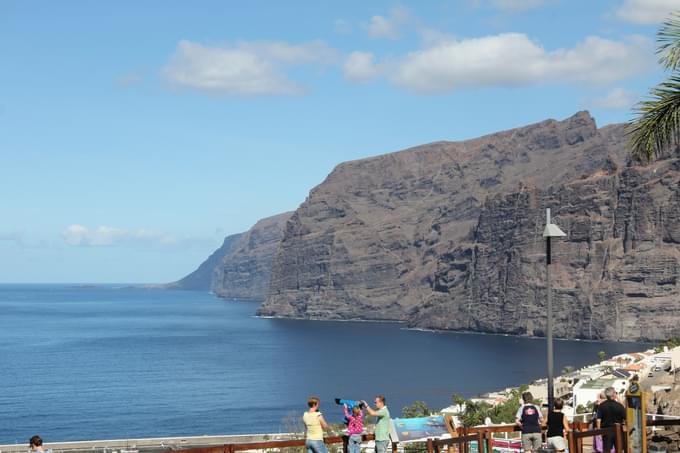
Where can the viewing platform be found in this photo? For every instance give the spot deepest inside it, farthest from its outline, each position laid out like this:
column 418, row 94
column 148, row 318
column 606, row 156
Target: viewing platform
column 147, row 445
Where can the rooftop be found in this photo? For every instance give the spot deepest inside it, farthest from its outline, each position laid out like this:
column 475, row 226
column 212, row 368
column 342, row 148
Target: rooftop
column 599, row 383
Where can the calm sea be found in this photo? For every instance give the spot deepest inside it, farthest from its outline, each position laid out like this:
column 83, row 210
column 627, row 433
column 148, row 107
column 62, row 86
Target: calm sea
column 108, row 362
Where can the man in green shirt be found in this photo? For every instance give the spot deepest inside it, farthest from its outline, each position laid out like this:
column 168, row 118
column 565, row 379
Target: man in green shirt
column 382, row 426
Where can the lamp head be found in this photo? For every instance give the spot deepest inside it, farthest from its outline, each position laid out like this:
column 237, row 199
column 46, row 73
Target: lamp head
column 551, row 230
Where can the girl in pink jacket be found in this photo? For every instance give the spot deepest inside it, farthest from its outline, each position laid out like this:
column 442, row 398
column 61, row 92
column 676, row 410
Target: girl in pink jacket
column 355, row 427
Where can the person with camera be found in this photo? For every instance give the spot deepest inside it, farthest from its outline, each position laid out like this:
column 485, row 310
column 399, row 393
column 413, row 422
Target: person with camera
column 382, row 426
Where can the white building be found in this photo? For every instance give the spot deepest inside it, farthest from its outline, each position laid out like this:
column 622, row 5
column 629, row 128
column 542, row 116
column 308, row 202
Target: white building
column 586, row 392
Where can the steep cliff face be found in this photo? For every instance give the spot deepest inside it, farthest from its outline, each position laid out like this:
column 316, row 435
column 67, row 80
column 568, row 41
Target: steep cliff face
column 390, row 237
column 241, row 267
column 244, row 273
column 614, row 275
column 202, row 278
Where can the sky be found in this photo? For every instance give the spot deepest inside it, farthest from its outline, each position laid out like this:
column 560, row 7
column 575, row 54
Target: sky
column 135, row 136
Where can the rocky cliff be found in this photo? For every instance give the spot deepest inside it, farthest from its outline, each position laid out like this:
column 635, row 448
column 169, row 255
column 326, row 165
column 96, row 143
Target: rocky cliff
column 448, row 235
column 241, row 267
column 245, row 272
column 615, row 274
column 202, row 278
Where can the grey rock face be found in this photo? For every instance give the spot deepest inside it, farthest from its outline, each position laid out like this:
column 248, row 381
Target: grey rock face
column 448, row 235
column 202, row 278
column 614, row 275
column 241, row 268
column 244, row 273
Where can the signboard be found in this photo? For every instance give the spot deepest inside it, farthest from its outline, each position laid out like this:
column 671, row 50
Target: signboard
column 636, row 420
column 419, row 428
column 507, row 445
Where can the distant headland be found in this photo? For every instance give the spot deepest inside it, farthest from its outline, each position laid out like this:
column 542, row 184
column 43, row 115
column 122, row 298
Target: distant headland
column 448, row 236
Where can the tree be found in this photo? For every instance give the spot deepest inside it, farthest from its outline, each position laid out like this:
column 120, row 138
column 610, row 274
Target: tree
column 671, row 343
column 416, row 409
column 458, row 400
column 656, row 129
column 601, row 355
column 475, row 413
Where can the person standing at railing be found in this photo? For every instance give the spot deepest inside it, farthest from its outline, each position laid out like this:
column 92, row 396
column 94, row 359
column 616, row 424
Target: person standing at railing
column 530, row 419
column 382, row 427
column 558, row 426
column 355, row 428
column 609, row 412
column 36, row 445
column 314, row 426
column 597, row 440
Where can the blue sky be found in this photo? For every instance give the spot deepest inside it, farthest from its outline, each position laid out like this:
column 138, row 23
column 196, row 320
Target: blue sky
column 135, row 135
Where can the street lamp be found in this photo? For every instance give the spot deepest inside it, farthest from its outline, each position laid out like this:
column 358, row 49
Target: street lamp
column 551, row 231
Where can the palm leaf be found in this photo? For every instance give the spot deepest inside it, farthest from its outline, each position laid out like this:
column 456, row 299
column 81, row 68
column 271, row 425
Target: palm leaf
column 657, row 126
column 668, row 40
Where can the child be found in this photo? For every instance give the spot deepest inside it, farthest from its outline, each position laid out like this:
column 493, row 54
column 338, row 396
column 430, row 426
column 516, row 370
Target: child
column 558, row 426
column 355, row 427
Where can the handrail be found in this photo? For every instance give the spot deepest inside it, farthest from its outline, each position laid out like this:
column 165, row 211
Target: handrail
column 666, row 422
column 480, row 434
column 593, row 432
column 434, row 445
column 232, row 448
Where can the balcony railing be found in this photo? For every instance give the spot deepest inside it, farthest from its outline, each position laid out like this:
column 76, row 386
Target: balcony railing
column 481, row 435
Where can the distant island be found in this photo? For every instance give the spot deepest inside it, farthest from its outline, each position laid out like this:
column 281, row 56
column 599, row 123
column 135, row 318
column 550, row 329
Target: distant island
column 448, row 236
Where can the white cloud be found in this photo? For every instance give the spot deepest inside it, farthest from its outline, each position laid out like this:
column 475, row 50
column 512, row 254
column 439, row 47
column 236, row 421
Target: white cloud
column 647, row 11
column 249, row 68
column 616, row 99
column 388, row 27
column 129, row 79
column 517, row 5
column 15, row 237
column 107, row 236
column 510, row 5
column 513, row 59
column 360, row 67
column 342, row 27
column 279, row 51
column 432, row 37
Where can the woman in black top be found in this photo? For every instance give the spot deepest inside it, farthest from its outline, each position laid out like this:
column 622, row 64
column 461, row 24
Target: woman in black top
column 558, row 426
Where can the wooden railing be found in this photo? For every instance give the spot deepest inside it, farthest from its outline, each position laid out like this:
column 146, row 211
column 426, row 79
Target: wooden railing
column 482, row 435
column 575, row 437
column 462, row 443
column 276, row 445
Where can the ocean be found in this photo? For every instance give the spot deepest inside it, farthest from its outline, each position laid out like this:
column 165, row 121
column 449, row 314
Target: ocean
column 107, row 361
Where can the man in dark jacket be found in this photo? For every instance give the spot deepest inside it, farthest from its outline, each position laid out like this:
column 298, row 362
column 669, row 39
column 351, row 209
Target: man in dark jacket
column 609, row 412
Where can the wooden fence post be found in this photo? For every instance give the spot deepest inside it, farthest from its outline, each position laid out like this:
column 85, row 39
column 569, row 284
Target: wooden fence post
column 571, row 445
column 488, row 438
column 618, row 440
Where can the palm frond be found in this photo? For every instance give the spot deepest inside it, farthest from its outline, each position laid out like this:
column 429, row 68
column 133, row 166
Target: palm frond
column 668, row 40
column 657, row 126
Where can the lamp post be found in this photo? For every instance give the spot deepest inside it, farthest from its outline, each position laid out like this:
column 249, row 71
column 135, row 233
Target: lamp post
column 551, row 231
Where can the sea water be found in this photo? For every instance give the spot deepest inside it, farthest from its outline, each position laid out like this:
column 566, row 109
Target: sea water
column 107, row 361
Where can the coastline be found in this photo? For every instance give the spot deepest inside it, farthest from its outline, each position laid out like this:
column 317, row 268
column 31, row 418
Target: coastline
column 447, row 331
